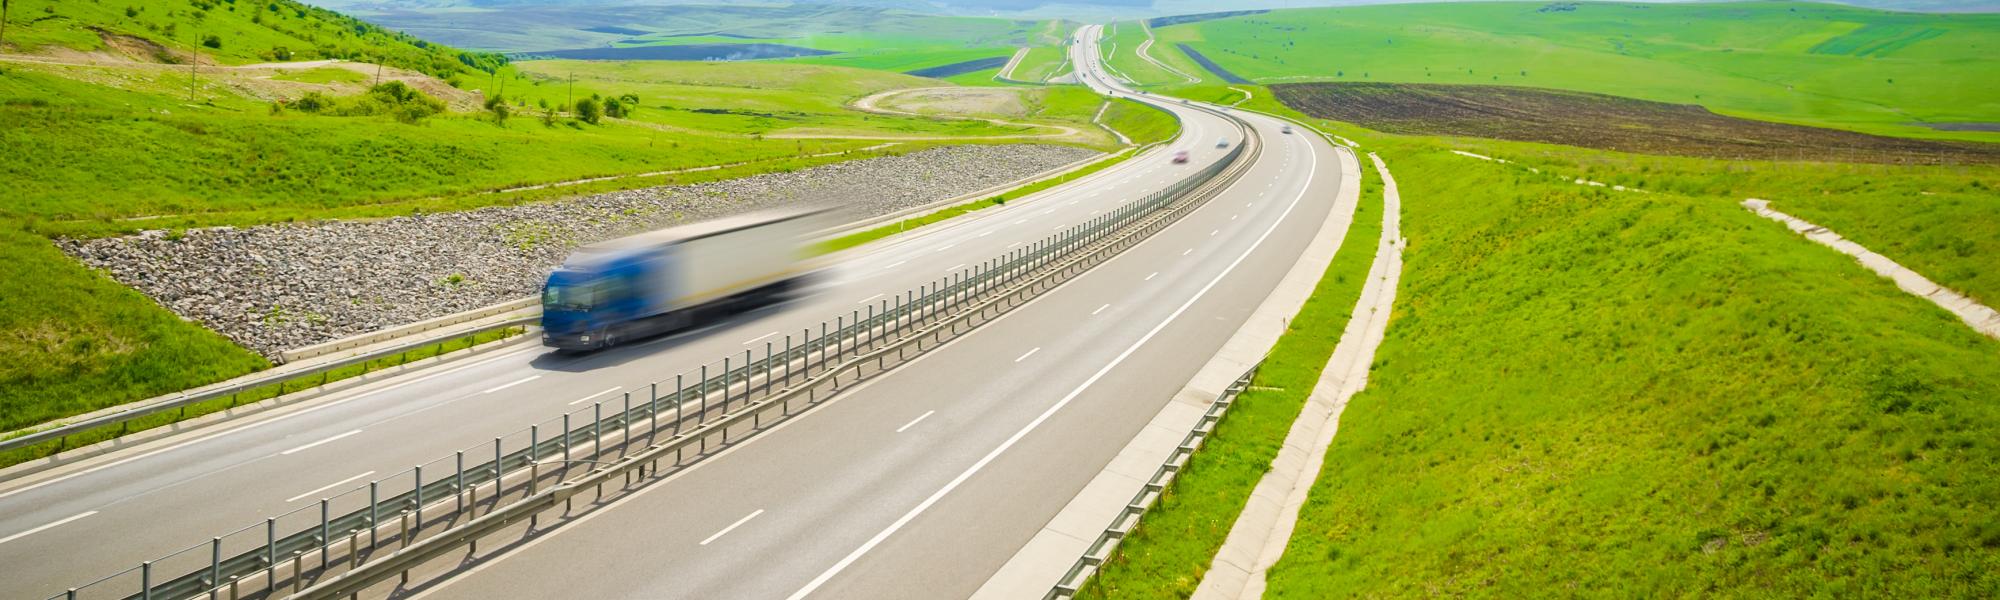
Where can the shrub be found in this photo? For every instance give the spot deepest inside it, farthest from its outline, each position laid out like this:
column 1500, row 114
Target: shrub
column 588, row 111
column 212, row 41
column 614, row 109
column 497, row 106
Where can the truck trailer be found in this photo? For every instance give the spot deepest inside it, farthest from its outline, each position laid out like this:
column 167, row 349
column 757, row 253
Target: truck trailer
column 631, row 287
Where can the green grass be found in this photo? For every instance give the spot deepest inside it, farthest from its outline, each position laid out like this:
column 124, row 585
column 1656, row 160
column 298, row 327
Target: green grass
column 322, row 75
column 1814, row 64
column 1140, row 122
column 246, row 31
column 1621, row 394
column 862, row 237
column 1166, row 556
column 1041, row 63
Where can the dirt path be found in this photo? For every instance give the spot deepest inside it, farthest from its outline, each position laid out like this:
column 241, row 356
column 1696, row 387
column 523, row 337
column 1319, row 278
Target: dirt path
column 1260, row 534
column 870, row 103
column 1982, row 318
column 1007, row 72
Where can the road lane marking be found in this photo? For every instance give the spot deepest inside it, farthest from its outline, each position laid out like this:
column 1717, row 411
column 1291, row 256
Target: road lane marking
column 732, row 526
column 985, row 234
column 1185, row 252
column 1212, row 233
column 976, row 467
column 249, row 426
column 945, row 247
column 1150, row 277
column 307, row 446
column 1232, row 217
column 758, row 338
column 913, row 422
column 44, row 528
column 1020, row 221
column 898, row 264
column 613, row 389
column 1100, row 309
column 1048, row 211
column 511, row 384
column 328, row 486
column 1030, row 353
column 862, row 301
column 1013, row 244
column 955, row 267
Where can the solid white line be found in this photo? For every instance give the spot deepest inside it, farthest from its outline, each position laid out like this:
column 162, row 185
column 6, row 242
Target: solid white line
column 954, row 267
column 732, row 526
column 758, row 338
column 913, row 422
column 862, row 301
column 511, row 384
column 329, row 486
column 1150, row 277
column 43, row 528
column 249, row 426
column 301, row 448
column 1044, row 417
column 1100, row 309
column 613, row 389
column 1030, row 353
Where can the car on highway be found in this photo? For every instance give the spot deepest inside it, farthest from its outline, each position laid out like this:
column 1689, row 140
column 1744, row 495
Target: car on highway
column 1181, row 157
column 1287, row 130
column 1222, row 143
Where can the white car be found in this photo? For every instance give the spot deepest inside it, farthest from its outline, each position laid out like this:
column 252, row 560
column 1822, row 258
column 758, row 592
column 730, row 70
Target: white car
column 1286, row 130
column 1222, row 143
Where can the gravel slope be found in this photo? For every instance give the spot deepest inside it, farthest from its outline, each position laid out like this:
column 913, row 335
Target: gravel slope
column 277, row 287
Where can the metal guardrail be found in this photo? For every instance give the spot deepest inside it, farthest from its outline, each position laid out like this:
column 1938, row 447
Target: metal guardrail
column 1128, row 517
column 61, row 433
column 357, row 524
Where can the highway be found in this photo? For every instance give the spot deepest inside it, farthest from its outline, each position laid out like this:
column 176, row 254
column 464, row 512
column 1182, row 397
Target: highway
column 1106, row 351
column 74, row 524
column 922, row 483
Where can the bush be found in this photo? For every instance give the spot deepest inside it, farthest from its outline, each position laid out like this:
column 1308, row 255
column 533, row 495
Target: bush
column 614, row 109
column 211, row 41
column 497, row 106
column 588, row 111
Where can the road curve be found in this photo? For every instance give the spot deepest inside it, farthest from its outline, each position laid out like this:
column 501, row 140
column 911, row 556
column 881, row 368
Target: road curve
column 74, row 524
column 922, row 483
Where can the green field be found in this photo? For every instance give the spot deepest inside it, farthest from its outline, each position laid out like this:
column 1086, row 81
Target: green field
column 1814, row 64
column 1041, row 64
column 1648, row 395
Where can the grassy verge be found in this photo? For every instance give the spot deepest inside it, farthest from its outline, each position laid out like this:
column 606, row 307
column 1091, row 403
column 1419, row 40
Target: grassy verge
column 862, row 237
column 1174, row 543
column 253, row 395
column 1627, row 394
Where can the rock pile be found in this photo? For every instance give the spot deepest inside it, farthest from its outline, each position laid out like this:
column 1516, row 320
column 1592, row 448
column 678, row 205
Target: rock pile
column 277, row 287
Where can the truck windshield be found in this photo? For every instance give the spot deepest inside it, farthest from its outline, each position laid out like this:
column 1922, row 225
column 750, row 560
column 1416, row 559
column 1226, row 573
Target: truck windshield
column 570, row 296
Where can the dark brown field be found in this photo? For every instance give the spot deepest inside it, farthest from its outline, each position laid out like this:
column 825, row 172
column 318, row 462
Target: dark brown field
column 1605, row 122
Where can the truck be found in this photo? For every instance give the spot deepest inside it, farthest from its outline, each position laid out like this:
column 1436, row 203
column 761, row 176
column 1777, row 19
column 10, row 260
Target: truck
column 622, row 289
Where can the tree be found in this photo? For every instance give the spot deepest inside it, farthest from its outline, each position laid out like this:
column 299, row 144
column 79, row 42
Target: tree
column 613, row 108
column 588, row 111
column 498, row 106
column 212, row 41
column 3, row 24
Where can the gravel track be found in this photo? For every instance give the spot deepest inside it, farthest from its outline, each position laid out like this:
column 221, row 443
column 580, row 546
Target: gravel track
column 276, row 287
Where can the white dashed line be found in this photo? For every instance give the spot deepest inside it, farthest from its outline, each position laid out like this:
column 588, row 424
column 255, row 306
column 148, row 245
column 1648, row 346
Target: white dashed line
column 311, row 445
column 329, row 486
column 1100, row 309
column 510, row 384
column 1030, row 353
column 732, row 527
column 913, row 422
column 614, row 389
column 44, row 528
column 759, row 338
column 1150, row 277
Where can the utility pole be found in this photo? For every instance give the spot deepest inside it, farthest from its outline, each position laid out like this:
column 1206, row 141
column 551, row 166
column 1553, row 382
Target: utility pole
column 378, row 69
column 572, row 90
column 3, row 25
column 193, row 77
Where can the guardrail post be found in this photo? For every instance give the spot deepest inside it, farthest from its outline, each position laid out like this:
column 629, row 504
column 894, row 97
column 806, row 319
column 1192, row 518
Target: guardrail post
column 270, row 554
column 420, row 498
column 565, row 446
column 680, row 398
column 214, row 565
column 704, row 393
column 767, row 368
column 788, row 359
column 534, row 447
column 457, row 495
column 497, row 457
column 597, row 430
column 146, row 580
column 374, row 513
column 325, row 531
column 625, row 425
column 653, row 412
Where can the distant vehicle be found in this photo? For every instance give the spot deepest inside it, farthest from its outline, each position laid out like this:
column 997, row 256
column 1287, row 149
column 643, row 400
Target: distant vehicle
column 1184, row 101
column 649, row 283
column 1222, row 143
column 1286, row 129
column 1181, row 157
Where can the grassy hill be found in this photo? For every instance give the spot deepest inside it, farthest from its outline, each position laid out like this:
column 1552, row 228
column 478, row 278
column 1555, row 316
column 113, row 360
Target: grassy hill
column 227, row 31
column 1816, row 64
